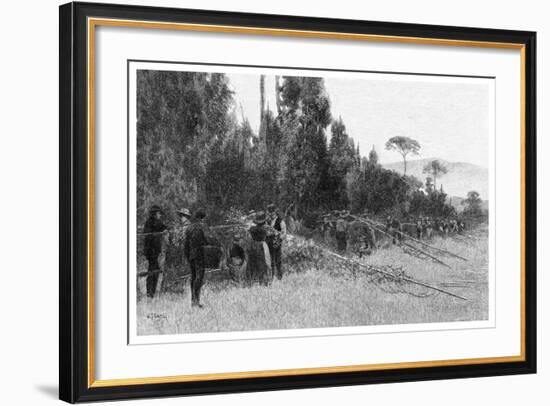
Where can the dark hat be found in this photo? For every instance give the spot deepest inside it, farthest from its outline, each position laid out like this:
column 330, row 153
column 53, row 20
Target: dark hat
column 184, row 212
column 260, row 218
column 271, row 207
column 200, row 214
column 154, row 209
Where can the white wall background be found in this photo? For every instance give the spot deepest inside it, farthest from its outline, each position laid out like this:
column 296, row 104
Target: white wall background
column 29, row 203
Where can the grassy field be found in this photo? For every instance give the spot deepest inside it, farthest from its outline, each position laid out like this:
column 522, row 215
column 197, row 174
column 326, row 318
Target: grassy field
column 319, row 291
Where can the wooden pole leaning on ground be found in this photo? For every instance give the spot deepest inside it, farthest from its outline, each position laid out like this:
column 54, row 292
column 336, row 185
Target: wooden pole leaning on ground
column 223, row 226
column 381, row 271
column 427, row 254
column 423, row 243
column 374, row 225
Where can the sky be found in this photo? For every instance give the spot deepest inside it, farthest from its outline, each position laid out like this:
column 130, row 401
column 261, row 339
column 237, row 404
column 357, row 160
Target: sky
column 449, row 119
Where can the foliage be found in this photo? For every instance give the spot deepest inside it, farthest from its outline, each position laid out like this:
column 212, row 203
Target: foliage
column 193, row 151
column 404, row 146
column 306, row 114
column 376, row 190
column 342, row 158
column 429, row 186
column 181, row 117
column 373, row 156
column 433, row 204
column 473, row 204
column 435, row 168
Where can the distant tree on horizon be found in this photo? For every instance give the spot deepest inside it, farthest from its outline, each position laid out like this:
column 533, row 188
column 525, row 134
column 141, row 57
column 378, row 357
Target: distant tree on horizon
column 472, row 203
column 435, row 168
column 429, row 184
column 373, row 156
column 404, row 146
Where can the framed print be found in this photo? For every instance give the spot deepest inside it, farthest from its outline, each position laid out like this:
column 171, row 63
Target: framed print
column 258, row 202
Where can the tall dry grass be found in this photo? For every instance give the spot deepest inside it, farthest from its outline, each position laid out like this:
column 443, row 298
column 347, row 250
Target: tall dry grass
column 319, row 291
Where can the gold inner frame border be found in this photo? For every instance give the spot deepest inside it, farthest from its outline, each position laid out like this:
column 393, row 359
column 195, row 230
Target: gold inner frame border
column 94, row 22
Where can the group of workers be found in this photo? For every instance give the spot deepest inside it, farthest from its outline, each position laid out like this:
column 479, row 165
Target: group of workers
column 261, row 258
column 191, row 234
column 425, row 227
column 337, row 224
column 265, row 251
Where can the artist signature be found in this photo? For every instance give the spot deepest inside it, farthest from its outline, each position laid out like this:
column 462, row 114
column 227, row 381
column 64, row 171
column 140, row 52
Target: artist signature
column 156, row 316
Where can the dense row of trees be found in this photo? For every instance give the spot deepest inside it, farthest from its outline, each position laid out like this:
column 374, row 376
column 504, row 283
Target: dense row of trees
column 192, row 149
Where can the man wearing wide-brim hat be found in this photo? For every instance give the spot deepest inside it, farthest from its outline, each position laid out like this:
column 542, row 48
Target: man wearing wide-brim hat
column 184, row 213
column 195, row 242
column 275, row 238
column 178, row 237
column 185, row 221
column 153, row 230
column 341, row 229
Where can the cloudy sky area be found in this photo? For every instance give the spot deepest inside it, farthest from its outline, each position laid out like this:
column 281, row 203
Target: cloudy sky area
column 450, row 120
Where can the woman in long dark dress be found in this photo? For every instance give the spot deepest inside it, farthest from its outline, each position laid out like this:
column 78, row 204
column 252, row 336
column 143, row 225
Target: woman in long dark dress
column 259, row 261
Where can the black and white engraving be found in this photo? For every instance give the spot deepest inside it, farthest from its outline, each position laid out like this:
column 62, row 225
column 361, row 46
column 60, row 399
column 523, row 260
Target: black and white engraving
column 276, row 199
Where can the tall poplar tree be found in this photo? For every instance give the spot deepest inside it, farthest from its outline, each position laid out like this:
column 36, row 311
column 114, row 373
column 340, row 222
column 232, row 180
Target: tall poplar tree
column 305, row 115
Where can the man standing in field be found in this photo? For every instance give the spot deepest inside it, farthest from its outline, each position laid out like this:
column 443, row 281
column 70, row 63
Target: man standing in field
column 341, row 232
column 154, row 233
column 276, row 239
column 195, row 241
column 368, row 240
column 393, row 228
column 185, row 221
column 461, row 226
column 180, row 232
column 176, row 240
column 326, row 226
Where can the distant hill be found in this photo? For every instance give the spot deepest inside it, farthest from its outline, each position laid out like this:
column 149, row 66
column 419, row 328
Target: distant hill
column 461, row 177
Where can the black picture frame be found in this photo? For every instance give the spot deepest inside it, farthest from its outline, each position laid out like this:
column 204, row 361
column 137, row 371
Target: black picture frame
column 74, row 200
